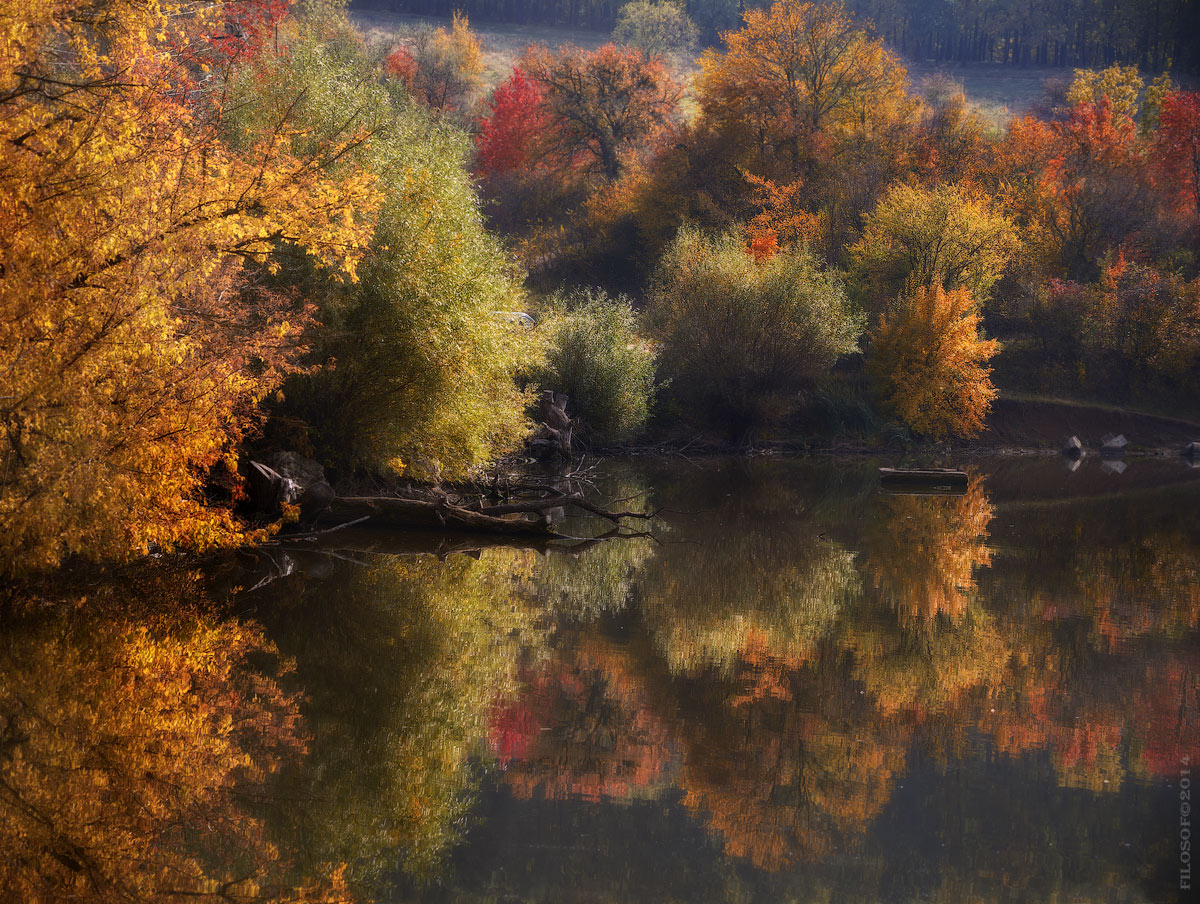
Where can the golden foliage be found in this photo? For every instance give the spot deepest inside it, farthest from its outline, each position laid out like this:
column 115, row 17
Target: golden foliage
column 130, row 742
column 131, row 349
column 929, row 363
column 796, row 70
column 947, row 236
column 1121, row 85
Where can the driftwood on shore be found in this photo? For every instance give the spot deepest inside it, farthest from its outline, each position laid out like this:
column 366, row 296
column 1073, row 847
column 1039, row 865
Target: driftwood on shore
column 525, row 509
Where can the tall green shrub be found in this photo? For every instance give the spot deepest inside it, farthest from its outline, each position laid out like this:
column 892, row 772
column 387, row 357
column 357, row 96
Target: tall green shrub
column 743, row 337
column 594, row 354
column 659, row 27
column 414, row 362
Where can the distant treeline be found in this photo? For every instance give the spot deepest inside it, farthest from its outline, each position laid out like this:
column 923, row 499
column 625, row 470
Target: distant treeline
column 1153, row 34
column 599, row 14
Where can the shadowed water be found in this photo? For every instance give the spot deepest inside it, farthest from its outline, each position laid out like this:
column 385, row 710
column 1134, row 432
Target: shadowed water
column 803, row 689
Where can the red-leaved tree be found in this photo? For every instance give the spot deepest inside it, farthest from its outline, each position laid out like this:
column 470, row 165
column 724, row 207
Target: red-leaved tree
column 249, row 24
column 507, row 133
column 1178, row 146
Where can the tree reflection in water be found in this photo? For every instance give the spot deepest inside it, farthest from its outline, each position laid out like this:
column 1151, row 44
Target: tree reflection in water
column 795, row 678
column 824, row 682
column 400, row 676
column 138, row 741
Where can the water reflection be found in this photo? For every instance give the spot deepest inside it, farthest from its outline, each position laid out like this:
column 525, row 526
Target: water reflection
column 923, row 550
column 401, row 660
column 582, row 729
column 137, row 749
column 802, row 690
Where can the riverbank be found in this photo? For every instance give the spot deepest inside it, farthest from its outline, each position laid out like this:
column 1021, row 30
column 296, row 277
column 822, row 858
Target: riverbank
column 1015, row 425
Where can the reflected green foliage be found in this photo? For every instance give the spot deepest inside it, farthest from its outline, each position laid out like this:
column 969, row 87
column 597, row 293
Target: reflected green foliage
column 584, row 585
column 401, row 676
column 582, row 582
column 789, row 760
column 775, row 585
column 705, row 614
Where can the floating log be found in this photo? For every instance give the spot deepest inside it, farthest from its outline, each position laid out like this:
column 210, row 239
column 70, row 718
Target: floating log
column 388, row 511
column 936, row 477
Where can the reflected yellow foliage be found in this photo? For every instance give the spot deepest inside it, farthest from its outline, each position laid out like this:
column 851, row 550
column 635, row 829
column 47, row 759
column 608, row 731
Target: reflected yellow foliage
column 131, row 744
column 930, row 669
column 922, row 551
column 791, row 789
column 706, row 608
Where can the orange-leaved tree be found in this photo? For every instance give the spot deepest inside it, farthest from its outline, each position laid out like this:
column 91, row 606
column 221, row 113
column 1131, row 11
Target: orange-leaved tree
column 929, row 363
column 1079, row 188
column 796, row 71
column 131, row 347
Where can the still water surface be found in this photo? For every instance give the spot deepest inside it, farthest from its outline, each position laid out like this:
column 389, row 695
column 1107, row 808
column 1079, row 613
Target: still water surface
column 802, row 690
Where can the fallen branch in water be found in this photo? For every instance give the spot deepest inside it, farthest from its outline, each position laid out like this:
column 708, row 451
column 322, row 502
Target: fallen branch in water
column 437, row 512
column 562, row 501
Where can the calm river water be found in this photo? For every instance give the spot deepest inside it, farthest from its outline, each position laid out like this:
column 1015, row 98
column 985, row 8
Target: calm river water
column 802, row 689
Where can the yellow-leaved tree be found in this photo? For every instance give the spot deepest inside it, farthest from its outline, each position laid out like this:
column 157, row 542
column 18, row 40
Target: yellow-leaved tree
column 132, row 347
column 948, row 235
column 928, row 362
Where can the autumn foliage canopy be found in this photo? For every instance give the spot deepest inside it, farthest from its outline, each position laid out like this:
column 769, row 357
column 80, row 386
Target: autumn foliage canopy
column 930, row 363
column 135, row 343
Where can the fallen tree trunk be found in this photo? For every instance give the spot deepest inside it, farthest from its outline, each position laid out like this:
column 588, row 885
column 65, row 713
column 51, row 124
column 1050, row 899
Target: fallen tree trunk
column 438, row 513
